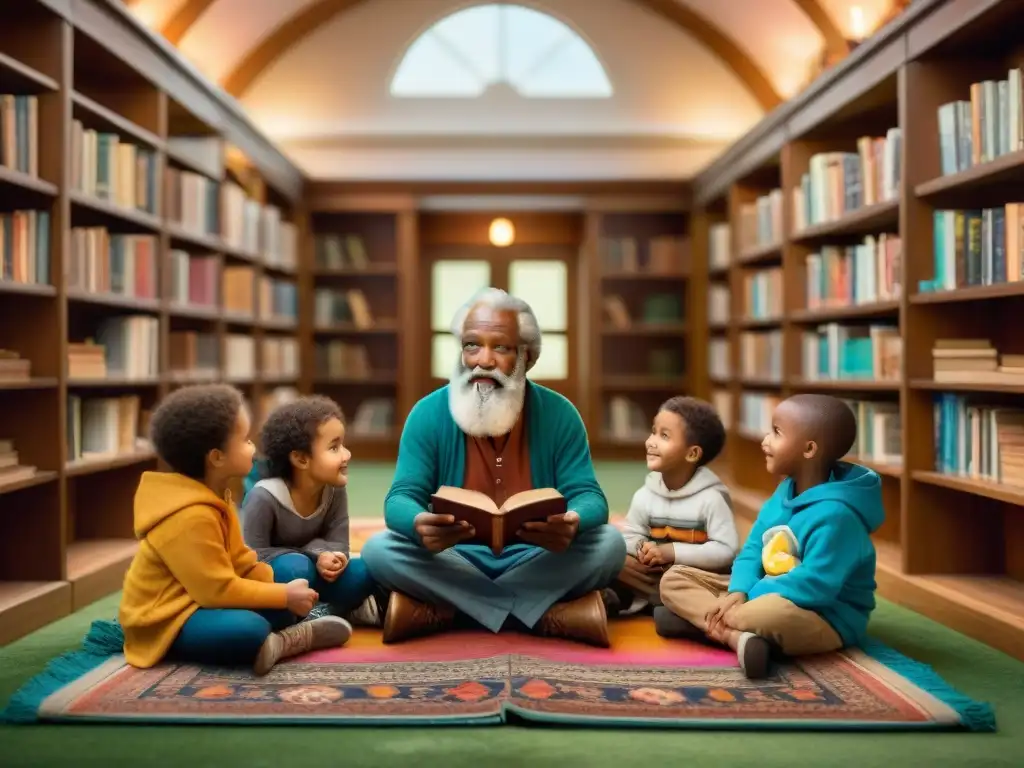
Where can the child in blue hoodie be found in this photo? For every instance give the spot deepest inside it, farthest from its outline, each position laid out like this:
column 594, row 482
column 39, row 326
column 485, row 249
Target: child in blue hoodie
column 804, row 582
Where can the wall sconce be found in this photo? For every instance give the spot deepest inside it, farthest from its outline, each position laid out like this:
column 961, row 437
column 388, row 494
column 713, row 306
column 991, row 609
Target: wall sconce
column 502, row 233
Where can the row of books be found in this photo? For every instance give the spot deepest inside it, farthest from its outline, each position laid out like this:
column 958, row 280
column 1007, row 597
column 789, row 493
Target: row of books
column 193, row 279
column 719, row 302
column 25, row 247
column 192, row 201
column 761, row 355
column 977, row 247
column 863, row 352
column 722, row 402
column 123, row 265
column 19, row 133
column 755, row 416
column 838, row 183
column 625, row 421
column 987, row 126
column 239, row 357
column 332, row 306
column 879, row 432
column 14, row 367
column 655, row 309
column 719, row 362
column 978, row 441
column 719, row 246
column 664, row 254
column 342, row 252
column 238, row 290
column 11, row 468
column 761, row 221
column 374, row 418
column 105, row 166
column 279, row 299
column 104, row 427
column 343, row 360
column 975, row 361
column 762, row 293
column 124, row 347
column 844, row 276
column 195, row 356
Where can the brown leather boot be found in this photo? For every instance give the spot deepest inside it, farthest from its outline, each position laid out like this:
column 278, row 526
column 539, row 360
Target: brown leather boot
column 583, row 619
column 407, row 618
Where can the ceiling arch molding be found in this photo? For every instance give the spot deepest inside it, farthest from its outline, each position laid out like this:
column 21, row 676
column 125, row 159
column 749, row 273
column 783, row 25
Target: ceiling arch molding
column 181, row 21
column 835, row 42
column 293, row 31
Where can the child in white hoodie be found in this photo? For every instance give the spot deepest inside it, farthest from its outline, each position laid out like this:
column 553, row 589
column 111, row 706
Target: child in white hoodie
column 683, row 514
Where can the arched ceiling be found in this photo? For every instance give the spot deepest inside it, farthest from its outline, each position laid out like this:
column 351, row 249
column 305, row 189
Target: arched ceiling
column 693, row 73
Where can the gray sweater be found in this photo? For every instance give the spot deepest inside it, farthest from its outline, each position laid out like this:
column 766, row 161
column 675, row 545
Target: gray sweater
column 272, row 527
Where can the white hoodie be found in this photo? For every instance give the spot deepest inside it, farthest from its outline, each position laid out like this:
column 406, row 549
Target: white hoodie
column 703, row 504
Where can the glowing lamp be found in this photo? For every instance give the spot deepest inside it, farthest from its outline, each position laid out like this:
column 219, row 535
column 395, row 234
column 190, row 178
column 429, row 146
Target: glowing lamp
column 501, row 233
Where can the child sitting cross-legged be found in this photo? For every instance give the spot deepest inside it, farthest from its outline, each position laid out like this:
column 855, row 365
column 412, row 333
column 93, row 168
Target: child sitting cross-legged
column 296, row 517
column 194, row 592
column 682, row 515
column 804, row 582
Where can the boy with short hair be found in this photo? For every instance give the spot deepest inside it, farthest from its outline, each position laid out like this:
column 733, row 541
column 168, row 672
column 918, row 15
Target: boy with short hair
column 683, row 514
column 194, row 591
column 296, row 517
column 804, row 582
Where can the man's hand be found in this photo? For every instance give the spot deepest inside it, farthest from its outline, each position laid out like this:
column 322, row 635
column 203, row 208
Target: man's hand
column 554, row 534
column 301, row 598
column 715, row 618
column 656, row 555
column 439, row 532
column 330, row 565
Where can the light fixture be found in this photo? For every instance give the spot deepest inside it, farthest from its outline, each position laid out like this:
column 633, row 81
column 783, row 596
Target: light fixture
column 501, row 233
column 858, row 25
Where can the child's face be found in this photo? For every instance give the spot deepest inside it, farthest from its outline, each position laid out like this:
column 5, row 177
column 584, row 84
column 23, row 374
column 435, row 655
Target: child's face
column 328, row 462
column 666, row 446
column 236, row 458
column 785, row 444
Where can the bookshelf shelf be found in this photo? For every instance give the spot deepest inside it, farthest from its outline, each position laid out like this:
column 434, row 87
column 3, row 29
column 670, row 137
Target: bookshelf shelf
column 104, row 116
column 827, row 314
column 648, row 329
column 26, row 182
column 761, row 254
column 1008, row 168
column 897, row 163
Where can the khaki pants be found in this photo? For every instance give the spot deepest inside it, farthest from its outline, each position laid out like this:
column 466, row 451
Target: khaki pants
column 690, row 593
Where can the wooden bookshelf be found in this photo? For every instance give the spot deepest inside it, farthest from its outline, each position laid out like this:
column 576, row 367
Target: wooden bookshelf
column 952, row 545
column 640, row 308
column 357, row 300
column 101, row 258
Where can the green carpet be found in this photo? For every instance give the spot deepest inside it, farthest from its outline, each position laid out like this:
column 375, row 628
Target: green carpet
column 973, row 668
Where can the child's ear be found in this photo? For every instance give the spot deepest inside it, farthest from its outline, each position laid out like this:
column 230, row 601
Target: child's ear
column 694, row 454
column 215, row 458
column 810, row 449
column 299, row 459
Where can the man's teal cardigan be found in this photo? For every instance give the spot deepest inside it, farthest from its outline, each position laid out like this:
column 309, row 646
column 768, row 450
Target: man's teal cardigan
column 432, row 453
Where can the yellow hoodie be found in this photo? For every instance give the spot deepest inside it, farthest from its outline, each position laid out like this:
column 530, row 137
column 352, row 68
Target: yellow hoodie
column 191, row 556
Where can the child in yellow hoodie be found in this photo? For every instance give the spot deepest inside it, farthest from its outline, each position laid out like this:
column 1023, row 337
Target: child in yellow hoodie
column 195, row 591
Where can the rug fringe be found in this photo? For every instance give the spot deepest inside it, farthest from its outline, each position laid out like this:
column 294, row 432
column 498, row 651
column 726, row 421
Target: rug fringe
column 975, row 715
column 104, row 639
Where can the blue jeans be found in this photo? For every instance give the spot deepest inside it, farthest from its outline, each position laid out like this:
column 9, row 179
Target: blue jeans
column 523, row 582
column 347, row 592
column 233, row 636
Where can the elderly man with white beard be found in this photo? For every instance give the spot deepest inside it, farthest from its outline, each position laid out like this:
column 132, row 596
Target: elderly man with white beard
column 492, row 430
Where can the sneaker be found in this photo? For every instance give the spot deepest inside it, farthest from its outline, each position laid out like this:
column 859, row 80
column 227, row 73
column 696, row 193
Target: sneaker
column 753, row 653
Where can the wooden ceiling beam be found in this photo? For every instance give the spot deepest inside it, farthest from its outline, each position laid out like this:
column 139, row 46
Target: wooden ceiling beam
column 281, row 40
column 176, row 27
column 722, row 45
column 836, row 44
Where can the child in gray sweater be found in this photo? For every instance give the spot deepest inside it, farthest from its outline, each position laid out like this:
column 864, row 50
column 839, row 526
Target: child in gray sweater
column 296, row 517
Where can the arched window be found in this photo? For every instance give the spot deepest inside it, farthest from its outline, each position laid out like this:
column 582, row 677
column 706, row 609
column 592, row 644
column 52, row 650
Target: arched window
column 474, row 49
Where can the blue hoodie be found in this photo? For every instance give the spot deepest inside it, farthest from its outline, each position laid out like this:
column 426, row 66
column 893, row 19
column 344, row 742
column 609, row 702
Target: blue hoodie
column 832, row 524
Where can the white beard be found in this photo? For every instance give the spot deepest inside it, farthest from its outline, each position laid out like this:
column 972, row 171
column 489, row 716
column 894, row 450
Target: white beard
column 482, row 409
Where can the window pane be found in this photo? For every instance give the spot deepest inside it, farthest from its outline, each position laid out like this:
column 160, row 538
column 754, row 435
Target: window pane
column 429, row 70
column 572, row 71
column 444, row 352
column 554, row 359
column 544, row 285
column 453, row 283
column 472, row 35
column 529, row 36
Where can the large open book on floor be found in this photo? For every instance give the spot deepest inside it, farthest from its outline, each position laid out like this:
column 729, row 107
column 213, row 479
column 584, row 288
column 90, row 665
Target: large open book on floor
column 496, row 526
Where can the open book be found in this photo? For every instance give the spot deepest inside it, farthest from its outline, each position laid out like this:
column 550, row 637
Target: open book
column 496, row 527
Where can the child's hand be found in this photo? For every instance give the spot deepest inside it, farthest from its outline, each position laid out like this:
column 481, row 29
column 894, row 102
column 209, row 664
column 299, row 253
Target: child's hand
column 301, row 598
column 330, row 565
column 714, row 619
column 659, row 554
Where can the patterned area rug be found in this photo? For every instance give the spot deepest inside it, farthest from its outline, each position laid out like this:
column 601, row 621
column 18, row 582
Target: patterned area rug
column 467, row 678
